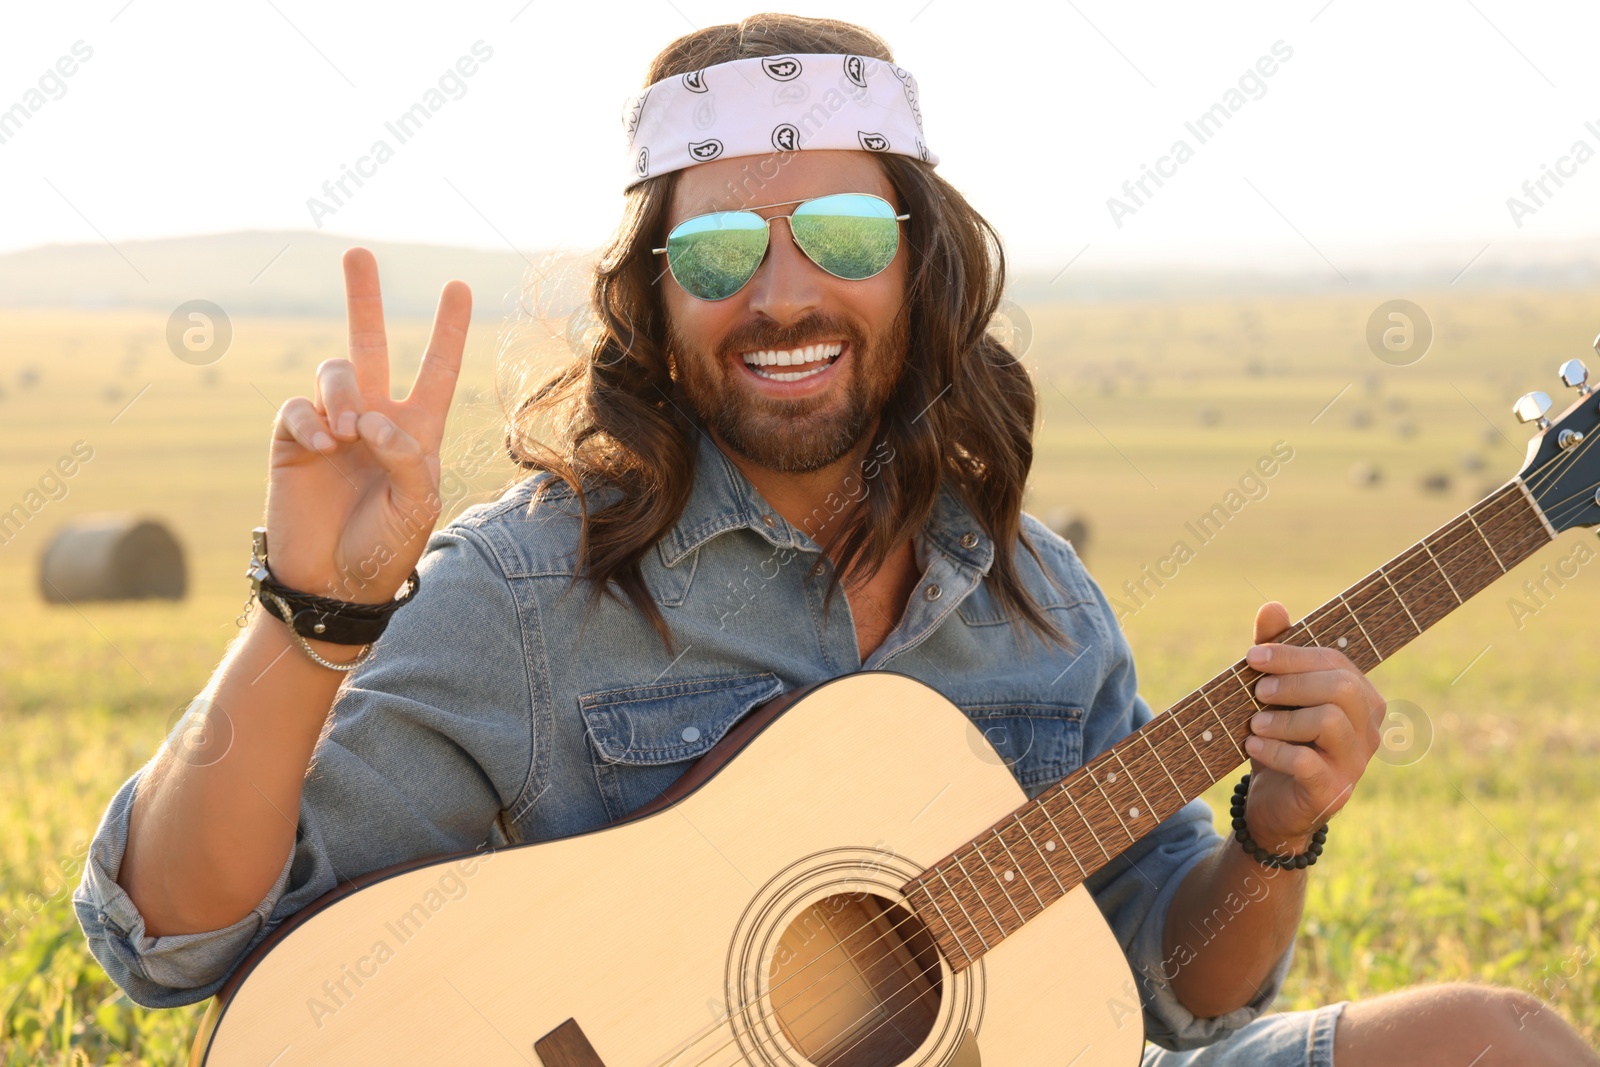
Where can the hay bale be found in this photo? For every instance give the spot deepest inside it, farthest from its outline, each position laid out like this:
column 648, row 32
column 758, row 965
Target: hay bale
column 112, row 556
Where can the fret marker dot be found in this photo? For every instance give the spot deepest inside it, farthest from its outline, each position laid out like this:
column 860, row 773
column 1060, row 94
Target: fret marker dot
column 1008, row 876
column 1134, row 811
column 1111, row 776
column 1049, row 846
column 1343, row 641
column 1205, row 735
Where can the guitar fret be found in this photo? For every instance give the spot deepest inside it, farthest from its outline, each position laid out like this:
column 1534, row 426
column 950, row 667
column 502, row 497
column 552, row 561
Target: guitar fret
column 1151, row 746
column 1248, row 692
column 1184, row 733
column 1112, row 805
column 983, row 897
column 1020, row 872
column 1436, row 563
column 1149, row 808
column 1400, row 598
column 1373, row 599
column 1063, row 837
column 1087, row 823
column 964, row 913
column 1225, row 732
column 1366, row 636
column 1200, row 734
column 1487, row 543
column 999, row 880
column 942, row 917
column 1041, row 853
column 1534, row 506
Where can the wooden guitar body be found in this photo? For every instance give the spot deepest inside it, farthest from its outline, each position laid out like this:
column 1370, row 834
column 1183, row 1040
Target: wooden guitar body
column 757, row 919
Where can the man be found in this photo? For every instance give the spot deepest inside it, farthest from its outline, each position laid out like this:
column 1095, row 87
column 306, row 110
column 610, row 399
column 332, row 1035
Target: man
column 790, row 453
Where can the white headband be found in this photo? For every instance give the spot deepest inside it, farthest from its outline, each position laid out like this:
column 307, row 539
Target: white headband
column 771, row 104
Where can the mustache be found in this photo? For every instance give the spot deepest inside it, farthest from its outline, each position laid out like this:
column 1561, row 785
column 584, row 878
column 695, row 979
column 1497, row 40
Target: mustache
column 810, row 330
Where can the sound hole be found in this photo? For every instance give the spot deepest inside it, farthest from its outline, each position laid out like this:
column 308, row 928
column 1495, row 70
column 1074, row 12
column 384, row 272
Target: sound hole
column 855, row 982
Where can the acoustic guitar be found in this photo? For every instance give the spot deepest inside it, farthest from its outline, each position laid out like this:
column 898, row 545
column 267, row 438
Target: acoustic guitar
column 793, row 901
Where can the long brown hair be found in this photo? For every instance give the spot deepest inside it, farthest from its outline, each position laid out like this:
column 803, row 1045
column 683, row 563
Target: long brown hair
column 962, row 412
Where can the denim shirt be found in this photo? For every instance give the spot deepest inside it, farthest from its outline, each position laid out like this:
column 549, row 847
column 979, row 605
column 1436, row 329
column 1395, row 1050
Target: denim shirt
column 494, row 711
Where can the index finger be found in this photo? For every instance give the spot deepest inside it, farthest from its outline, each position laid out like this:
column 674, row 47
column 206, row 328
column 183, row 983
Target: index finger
column 1270, row 658
column 369, row 344
column 441, row 363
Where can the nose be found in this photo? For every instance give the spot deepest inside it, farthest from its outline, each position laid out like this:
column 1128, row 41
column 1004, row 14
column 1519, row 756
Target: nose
column 787, row 286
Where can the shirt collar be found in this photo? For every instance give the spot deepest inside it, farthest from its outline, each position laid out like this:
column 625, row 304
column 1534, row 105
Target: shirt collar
column 722, row 499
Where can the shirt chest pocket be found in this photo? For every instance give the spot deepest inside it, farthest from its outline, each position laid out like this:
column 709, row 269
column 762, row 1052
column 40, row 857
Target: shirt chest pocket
column 644, row 737
column 1041, row 743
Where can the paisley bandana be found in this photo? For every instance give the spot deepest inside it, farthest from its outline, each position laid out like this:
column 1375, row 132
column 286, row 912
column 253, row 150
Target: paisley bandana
column 769, row 104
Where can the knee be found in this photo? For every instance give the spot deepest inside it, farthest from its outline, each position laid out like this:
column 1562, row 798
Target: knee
column 1454, row 1023
column 1503, row 1025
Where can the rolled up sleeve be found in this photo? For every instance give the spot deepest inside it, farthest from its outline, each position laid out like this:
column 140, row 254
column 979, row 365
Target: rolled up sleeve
column 1135, row 891
column 430, row 739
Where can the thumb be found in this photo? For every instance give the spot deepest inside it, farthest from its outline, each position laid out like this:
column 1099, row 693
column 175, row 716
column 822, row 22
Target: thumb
column 1272, row 618
column 400, row 456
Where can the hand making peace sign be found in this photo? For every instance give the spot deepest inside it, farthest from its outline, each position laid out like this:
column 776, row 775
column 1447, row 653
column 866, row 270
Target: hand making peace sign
column 353, row 489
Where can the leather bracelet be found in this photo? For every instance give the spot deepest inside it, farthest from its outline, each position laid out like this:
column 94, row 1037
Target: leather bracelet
column 338, row 622
column 1241, row 831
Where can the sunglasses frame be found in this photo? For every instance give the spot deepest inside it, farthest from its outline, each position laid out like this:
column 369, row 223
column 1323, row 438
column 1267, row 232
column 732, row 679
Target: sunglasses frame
column 768, row 222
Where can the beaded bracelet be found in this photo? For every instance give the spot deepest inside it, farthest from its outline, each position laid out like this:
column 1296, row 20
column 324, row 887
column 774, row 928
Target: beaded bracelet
column 1241, row 831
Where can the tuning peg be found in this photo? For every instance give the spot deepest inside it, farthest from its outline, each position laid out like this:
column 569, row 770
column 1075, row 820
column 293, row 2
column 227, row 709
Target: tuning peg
column 1574, row 375
column 1531, row 408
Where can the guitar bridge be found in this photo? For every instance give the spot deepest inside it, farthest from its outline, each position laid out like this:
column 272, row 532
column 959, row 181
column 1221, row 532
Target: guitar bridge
column 566, row 1046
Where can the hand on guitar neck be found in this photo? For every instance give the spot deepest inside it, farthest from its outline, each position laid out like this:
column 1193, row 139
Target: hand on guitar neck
column 1306, row 756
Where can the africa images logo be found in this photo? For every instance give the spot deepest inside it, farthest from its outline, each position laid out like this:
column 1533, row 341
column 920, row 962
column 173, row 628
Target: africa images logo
column 702, row 151
column 786, row 137
column 872, row 142
column 781, row 68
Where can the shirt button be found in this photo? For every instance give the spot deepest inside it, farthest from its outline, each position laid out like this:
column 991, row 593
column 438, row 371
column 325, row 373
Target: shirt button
column 819, row 568
column 969, row 540
column 691, row 733
column 932, row 592
column 769, row 520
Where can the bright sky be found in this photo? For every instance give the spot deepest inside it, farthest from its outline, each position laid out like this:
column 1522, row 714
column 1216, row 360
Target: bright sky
column 1387, row 124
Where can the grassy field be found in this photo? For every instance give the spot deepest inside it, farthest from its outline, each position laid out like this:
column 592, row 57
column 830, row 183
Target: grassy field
column 1474, row 855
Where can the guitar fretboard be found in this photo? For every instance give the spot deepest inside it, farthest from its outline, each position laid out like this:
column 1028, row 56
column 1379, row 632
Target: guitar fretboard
column 989, row 888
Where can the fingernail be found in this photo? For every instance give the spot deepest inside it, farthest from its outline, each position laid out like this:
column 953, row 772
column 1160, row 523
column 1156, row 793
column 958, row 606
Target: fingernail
column 1258, row 655
column 383, row 431
column 1266, row 687
column 347, row 424
column 1254, row 745
column 321, row 441
column 1261, row 720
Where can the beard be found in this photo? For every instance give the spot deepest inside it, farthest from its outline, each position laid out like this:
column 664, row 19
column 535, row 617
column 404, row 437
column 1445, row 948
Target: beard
column 792, row 436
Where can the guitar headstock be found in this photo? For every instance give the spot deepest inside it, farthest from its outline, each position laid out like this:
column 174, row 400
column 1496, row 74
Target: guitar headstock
column 1562, row 470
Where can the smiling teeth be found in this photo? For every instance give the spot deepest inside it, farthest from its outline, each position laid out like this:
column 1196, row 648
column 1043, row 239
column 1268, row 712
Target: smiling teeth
column 791, row 358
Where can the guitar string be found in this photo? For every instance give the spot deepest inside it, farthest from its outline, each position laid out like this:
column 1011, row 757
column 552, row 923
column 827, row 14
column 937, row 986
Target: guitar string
column 1420, row 566
column 1183, row 728
column 1574, row 454
column 1571, row 455
column 1565, row 457
column 1561, row 455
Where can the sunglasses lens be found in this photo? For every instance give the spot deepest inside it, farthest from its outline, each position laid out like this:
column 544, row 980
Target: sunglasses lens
column 849, row 235
column 712, row 256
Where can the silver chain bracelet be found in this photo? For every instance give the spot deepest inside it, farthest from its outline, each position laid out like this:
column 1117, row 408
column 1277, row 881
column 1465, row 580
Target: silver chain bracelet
column 366, row 650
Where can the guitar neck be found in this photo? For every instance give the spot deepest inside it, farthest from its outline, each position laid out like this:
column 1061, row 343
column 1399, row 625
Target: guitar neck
column 989, row 888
